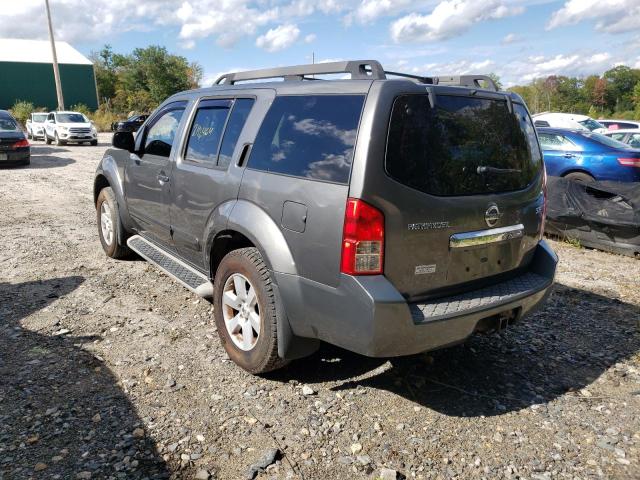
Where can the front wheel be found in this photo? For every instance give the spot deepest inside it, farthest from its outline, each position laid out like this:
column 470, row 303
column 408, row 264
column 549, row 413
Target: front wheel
column 59, row 142
column 94, row 143
column 109, row 225
column 47, row 140
column 246, row 310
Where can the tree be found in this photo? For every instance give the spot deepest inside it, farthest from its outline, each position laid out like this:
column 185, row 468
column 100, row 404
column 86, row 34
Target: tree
column 496, row 80
column 104, row 64
column 636, row 99
column 143, row 79
column 599, row 94
column 620, row 83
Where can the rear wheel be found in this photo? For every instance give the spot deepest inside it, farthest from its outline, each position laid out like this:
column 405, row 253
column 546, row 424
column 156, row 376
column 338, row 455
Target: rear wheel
column 246, row 311
column 580, row 177
column 109, row 225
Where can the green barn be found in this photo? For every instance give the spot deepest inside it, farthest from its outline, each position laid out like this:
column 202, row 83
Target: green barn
column 26, row 73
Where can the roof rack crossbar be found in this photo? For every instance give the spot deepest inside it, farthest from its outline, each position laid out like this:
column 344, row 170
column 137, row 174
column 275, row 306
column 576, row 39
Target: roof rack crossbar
column 409, row 75
column 359, row 69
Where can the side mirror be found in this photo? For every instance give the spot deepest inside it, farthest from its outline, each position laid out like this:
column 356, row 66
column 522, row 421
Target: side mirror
column 124, row 141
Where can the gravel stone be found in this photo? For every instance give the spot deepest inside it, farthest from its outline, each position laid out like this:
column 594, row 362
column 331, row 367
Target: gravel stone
column 557, row 395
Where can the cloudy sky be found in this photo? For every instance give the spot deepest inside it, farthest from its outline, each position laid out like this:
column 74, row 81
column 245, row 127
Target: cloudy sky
column 517, row 39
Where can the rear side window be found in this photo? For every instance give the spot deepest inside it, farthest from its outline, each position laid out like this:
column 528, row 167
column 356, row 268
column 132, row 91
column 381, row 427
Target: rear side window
column 463, row 146
column 553, row 141
column 237, row 119
column 8, row 124
column 634, row 140
column 206, row 131
column 309, row 136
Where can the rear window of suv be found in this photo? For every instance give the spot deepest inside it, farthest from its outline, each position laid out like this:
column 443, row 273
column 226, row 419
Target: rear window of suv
column 463, row 146
column 309, row 136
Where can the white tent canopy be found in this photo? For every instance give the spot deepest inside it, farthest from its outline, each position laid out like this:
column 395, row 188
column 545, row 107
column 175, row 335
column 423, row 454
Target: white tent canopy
column 39, row 51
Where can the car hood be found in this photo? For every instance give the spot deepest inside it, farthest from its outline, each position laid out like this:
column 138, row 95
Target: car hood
column 75, row 125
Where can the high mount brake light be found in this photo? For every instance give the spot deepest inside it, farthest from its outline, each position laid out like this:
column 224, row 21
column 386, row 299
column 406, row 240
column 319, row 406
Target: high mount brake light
column 362, row 239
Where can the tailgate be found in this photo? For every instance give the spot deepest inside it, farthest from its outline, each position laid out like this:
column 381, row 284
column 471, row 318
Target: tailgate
column 462, row 195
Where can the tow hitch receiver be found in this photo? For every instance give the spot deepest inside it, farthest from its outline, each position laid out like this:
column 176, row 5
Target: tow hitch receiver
column 498, row 322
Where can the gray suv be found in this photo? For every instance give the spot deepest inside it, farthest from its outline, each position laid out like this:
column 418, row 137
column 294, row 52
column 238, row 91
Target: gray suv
column 388, row 214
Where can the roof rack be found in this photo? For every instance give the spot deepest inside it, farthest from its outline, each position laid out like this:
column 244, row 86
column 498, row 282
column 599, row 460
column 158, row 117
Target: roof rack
column 471, row 81
column 359, row 70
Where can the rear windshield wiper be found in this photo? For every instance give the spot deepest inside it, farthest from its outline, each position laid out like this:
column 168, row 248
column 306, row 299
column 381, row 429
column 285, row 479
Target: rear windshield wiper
column 485, row 169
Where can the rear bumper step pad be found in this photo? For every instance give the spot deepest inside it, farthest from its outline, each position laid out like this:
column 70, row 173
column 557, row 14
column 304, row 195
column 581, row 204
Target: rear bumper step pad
column 481, row 299
column 186, row 275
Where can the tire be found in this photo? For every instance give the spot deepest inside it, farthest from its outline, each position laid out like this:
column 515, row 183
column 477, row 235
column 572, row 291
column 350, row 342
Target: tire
column 107, row 210
column 94, row 143
column 59, row 143
column 258, row 354
column 580, row 177
column 29, row 136
column 47, row 140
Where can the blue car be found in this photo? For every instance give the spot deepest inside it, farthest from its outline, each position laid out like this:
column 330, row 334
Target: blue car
column 585, row 156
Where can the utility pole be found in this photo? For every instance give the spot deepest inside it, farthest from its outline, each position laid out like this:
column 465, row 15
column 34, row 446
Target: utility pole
column 56, row 71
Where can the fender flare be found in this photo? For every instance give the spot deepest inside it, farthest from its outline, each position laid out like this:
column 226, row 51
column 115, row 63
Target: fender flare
column 254, row 223
column 108, row 169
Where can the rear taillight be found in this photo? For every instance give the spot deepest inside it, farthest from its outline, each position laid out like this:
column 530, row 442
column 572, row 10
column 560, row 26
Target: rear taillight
column 629, row 162
column 20, row 144
column 362, row 239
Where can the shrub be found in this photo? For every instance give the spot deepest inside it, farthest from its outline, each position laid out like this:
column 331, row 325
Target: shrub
column 82, row 108
column 626, row 115
column 103, row 118
column 21, row 110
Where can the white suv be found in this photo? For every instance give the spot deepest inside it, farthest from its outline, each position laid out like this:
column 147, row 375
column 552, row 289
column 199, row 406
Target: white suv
column 64, row 127
column 568, row 120
column 35, row 125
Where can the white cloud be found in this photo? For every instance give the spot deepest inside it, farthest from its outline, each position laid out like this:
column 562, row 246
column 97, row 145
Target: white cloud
column 612, row 16
column 278, row 38
column 449, row 18
column 310, row 38
column 510, row 38
column 370, row 10
column 572, row 64
column 524, row 69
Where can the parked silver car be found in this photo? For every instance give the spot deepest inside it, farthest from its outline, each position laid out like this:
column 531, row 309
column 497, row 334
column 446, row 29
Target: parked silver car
column 629, row 136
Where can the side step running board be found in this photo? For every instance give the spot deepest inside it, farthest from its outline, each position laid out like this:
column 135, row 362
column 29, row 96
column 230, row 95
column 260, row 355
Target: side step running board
column 188, row 276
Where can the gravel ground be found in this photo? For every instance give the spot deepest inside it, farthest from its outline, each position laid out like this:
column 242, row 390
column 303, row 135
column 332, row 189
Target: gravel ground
column 108, row 369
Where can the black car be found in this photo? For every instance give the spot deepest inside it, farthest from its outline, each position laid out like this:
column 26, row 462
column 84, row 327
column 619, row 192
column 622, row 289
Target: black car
column 131, row 124
column 14, row 146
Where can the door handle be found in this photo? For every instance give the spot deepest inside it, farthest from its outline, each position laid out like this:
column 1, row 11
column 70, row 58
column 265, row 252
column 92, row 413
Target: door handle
column 162, row 179
column 569, row 155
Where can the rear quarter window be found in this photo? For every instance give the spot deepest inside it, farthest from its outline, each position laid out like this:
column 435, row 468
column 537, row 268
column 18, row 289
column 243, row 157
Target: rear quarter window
column 311, row 137
column 463, row 146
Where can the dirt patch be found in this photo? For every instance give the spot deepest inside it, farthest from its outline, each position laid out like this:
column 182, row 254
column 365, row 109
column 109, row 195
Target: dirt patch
column 108, row 369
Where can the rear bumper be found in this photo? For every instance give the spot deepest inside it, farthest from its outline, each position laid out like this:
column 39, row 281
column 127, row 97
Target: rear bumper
column 368, row 315
column 13, row 157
